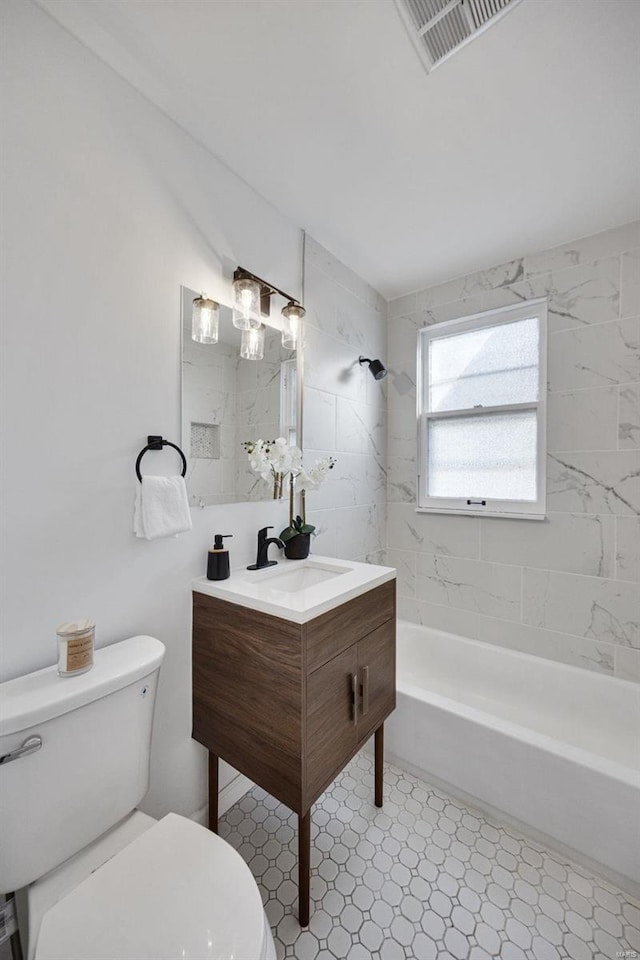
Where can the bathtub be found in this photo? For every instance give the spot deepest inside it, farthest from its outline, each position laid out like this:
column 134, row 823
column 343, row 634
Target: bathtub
column 555, row 748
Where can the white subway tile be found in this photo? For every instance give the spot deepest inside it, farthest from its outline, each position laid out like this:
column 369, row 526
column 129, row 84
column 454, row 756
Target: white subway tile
column 629, row 416
column 579, row 296
column 360, row 428
column 405, row 563
column 338, row 313
column 400, row 306
column 332, row 366
column 323, row 544
column 401, row 432
column 595, row 356
column 603, row 610
column 375, row 478
column 630, row 294
column 583, row 419
column 402, row 338
column 588, row 293
column 572, row 543
column 432, row 533
column 585, row 250
column 401, row 480
column 471, row 285
column 464, row 623
column 354, row 480
column 627, row 663
column 562, row 647
column 401, row 442
column 319, row 420
column 429, row 315
column 628, row 548
column 360, row 531
column 339, row 274
column 490, row 588
column 606, row 482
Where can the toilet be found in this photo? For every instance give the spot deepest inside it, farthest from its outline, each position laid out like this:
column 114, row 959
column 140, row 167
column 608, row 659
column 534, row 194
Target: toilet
column 95, row 878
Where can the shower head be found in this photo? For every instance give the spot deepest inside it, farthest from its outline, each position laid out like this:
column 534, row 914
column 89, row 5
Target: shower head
column 376, row 368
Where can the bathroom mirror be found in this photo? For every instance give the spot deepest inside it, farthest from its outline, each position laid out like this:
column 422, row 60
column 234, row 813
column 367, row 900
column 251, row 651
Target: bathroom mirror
column 226, row 401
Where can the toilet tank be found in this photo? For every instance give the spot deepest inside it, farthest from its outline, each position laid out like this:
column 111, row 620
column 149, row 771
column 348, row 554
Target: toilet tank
column 92, row 768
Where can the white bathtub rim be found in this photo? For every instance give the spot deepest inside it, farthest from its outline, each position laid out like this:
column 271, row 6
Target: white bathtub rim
column 500, row 818
column 516, row 731
column 533, row 658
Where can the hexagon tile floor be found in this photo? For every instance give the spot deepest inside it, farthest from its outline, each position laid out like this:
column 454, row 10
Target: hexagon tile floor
column 424, row 878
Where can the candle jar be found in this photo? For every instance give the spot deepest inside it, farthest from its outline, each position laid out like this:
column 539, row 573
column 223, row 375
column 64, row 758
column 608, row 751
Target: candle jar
column 75, row 647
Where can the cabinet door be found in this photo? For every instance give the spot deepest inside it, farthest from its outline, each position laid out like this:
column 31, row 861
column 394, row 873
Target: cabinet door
column 331, row 724
column 376, row 678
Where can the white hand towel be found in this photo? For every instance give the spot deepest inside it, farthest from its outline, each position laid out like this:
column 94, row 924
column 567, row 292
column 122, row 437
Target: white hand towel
column 161, row 508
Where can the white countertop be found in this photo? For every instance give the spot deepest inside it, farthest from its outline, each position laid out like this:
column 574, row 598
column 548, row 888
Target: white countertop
column 289, row 590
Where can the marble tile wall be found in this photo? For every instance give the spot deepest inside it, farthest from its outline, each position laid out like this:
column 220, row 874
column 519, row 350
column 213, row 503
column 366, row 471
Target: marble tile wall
column 209, row 396
column 257, row 412
column 242, row 399
column 566, row 588
column 344, row 407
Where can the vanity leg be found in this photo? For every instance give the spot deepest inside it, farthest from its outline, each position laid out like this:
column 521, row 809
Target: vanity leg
column 379, row 765
column 213, row 792
column 304, row 866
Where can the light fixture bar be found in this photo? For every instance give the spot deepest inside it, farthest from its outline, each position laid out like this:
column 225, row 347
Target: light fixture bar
column 241, row 274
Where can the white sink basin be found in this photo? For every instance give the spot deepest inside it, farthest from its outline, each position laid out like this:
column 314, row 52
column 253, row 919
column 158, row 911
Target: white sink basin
column 286, row 580
column 297, row 590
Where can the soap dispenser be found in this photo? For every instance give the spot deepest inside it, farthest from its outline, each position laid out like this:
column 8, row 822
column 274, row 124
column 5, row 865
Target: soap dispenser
column 218, row 562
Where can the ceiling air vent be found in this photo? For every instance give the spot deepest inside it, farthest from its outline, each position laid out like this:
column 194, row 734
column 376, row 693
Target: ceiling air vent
column 440, row 27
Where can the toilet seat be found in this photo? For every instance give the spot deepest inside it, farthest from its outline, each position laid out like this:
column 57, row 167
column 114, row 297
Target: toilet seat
column 176, row 892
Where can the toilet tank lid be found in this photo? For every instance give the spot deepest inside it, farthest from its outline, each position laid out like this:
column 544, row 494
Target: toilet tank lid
column 43, row 695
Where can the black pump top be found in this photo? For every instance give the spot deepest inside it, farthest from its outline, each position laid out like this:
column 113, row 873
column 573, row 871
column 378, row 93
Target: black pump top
column 217, row 540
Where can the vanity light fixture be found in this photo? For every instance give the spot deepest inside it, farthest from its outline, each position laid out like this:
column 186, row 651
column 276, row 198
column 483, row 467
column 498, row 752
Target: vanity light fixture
column 292, row 316
column 252, row 343
column 246, row 301
column 377, row 369
column 204, row 320
column 252, row 300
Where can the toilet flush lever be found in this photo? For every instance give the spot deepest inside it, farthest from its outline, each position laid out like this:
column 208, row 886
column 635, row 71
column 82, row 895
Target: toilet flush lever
column 29, row 746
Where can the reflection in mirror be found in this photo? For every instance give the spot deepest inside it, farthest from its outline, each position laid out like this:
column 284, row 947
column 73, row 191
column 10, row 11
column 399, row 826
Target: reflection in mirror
column 227, row 401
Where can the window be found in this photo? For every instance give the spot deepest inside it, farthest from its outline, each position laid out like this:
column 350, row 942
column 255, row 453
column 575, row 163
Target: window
column 482, row 414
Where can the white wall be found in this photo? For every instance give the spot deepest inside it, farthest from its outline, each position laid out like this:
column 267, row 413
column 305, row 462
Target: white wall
column 344, row 407
column 107, row 208
column 566, row 588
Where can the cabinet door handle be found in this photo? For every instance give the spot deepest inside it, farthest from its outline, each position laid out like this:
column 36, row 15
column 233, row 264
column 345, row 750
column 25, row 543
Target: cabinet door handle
column 354, row 697
column 364, row 689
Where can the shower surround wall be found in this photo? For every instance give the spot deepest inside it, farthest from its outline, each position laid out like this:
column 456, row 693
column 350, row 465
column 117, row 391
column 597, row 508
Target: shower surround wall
column 344, row 407
column 567, row 587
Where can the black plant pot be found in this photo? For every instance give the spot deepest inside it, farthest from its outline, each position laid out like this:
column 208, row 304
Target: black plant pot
column 297, row 548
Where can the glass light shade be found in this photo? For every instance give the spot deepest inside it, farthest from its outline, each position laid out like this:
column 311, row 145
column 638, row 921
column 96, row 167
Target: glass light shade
column 204, row 320
column 252, row 343
column 246, row 303
column 292, row 316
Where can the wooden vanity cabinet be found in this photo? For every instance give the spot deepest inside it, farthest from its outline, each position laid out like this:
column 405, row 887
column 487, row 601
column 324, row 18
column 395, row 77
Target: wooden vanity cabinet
column 287, row 704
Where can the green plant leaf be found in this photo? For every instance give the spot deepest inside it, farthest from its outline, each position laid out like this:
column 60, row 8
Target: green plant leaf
column 288, row 534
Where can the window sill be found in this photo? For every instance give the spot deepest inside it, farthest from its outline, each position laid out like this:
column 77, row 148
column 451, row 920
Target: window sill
column 481, row 513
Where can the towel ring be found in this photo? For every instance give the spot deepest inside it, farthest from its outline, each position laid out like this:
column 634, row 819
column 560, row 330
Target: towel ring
column 157, row 443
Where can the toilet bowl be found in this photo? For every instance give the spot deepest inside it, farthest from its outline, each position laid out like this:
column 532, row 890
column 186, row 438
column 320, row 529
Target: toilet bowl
column 97, row 879
column 176, row 891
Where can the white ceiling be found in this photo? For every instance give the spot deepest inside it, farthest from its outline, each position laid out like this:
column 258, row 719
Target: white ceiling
column 527, row 137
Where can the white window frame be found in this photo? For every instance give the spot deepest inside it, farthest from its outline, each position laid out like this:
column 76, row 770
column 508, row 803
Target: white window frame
column 288, row 400
column 520, row 509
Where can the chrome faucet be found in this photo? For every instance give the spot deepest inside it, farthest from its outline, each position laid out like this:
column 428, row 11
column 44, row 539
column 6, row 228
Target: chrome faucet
column 264, row 543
